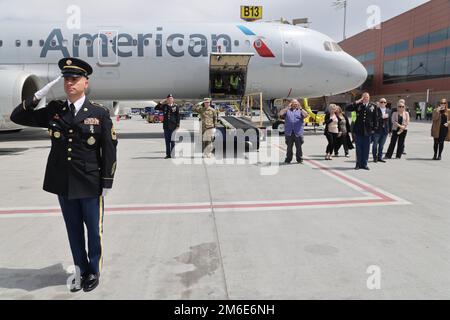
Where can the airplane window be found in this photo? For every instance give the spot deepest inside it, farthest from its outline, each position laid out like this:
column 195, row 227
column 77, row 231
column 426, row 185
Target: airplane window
column 203, row 43
column 30, row 43
column 336, row 47
column 258, row 43
column 192, row 43
column 88, row 43
column 134, row 42
column 53, row 43
column 214, row 43
column 1, row 43
column 41, row 43
column 225, row 43
column 158, row 43
column 327, row 46
column 146, row 42
column 247, row 42
column 236, row 43
column 76, row 43
column 17, row 43
column 180, row 42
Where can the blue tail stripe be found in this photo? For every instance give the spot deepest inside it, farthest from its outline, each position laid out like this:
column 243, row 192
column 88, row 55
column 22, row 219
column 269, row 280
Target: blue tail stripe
column 246, row 31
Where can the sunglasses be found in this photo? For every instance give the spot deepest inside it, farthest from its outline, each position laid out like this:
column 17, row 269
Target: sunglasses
column 401, row 106
column 383, row 102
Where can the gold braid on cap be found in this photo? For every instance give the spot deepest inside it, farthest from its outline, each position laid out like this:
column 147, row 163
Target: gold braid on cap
column 75, row 67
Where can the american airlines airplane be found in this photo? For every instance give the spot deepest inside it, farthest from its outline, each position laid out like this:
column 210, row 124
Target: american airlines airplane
column 147, row 61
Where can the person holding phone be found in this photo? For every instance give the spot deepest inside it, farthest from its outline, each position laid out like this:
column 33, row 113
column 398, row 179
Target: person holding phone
column 294, row 117
column 439, row 128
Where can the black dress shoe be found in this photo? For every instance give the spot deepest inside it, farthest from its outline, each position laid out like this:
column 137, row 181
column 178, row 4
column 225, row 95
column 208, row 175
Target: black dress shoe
column 439, row 158
column 435, row 158
column 375, row 160
column 357, row 168
column 366, row 168
column 300, row 161
column 168, row 157
column 77, row 286
column 381, row 160
column 91, row 282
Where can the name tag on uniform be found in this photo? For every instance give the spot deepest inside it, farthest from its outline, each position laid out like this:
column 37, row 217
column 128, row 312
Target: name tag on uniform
column 92, row 121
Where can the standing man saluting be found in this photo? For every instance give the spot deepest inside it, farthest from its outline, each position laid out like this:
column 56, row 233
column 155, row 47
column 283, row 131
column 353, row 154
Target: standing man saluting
column 294, row 117
column 81, row 164
column 171, row 122
column 365, row 125
column 208, row 116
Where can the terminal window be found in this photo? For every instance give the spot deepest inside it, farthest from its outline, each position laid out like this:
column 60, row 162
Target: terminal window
column 422, row 66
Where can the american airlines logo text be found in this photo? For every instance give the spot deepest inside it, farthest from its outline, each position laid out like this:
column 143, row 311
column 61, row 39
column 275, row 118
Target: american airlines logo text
column 125, row 45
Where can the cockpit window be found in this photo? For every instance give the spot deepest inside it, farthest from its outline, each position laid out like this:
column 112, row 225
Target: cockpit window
column 332, row 46
column 336, row 47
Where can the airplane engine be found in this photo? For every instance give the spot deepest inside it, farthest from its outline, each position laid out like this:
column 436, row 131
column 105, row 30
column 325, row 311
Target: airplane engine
column 15, row 86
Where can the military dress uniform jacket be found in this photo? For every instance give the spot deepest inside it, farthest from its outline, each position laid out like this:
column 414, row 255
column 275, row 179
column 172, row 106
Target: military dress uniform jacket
column 82, row 158
column 366, row 118
column 171, row 116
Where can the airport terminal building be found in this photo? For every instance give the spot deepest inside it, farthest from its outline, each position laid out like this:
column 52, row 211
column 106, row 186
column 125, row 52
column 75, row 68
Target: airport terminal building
column 409, row 57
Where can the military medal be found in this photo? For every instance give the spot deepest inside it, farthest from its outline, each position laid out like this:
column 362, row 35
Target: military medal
column 91, row 129
column 57, row 135
column 91, row 141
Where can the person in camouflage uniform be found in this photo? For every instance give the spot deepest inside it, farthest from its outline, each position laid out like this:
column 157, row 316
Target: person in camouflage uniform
column 208, row 116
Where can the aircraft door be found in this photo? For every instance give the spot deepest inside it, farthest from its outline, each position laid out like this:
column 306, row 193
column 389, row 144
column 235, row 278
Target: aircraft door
column 291, row 49
column 106, row 44
column 228, row 74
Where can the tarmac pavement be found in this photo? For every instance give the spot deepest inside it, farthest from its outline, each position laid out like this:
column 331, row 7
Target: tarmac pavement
column 253, row 230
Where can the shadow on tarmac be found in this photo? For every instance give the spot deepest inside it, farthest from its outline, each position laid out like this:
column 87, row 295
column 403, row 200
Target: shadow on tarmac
column 33, row 279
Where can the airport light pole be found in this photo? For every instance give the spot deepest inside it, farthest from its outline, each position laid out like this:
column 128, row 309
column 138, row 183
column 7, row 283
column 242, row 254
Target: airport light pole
column 338, row 5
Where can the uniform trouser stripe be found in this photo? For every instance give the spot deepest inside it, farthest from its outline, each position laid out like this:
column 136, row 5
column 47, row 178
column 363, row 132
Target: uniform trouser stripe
column 89, row 212
column 100, row 226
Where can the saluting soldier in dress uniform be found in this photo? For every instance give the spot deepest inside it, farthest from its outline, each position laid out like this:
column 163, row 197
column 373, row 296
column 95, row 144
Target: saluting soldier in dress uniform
column 171, row 122
column 81, row 164
column 365, row 125
column 208, row 116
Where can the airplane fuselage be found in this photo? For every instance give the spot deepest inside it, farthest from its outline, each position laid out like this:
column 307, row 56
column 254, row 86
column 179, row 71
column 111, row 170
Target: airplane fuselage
column 148, row 61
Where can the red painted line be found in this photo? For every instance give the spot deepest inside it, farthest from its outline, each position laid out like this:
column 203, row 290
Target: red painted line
column 347, row 179
column 351, row 181
column 156, row 208
column 219, row 206
column 381, row 198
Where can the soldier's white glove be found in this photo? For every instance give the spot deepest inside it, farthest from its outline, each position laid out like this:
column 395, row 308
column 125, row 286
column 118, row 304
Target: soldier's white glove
column 44, row 91
column 105, row 192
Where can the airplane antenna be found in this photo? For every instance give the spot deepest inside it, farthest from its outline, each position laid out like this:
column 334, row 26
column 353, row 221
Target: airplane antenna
column 339, row 5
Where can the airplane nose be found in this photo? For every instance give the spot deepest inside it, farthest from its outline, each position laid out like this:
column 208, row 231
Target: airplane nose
column 358, row 72
column 351, row 73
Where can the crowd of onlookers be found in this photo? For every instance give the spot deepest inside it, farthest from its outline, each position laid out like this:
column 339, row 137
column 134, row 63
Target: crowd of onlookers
column 369, row 124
